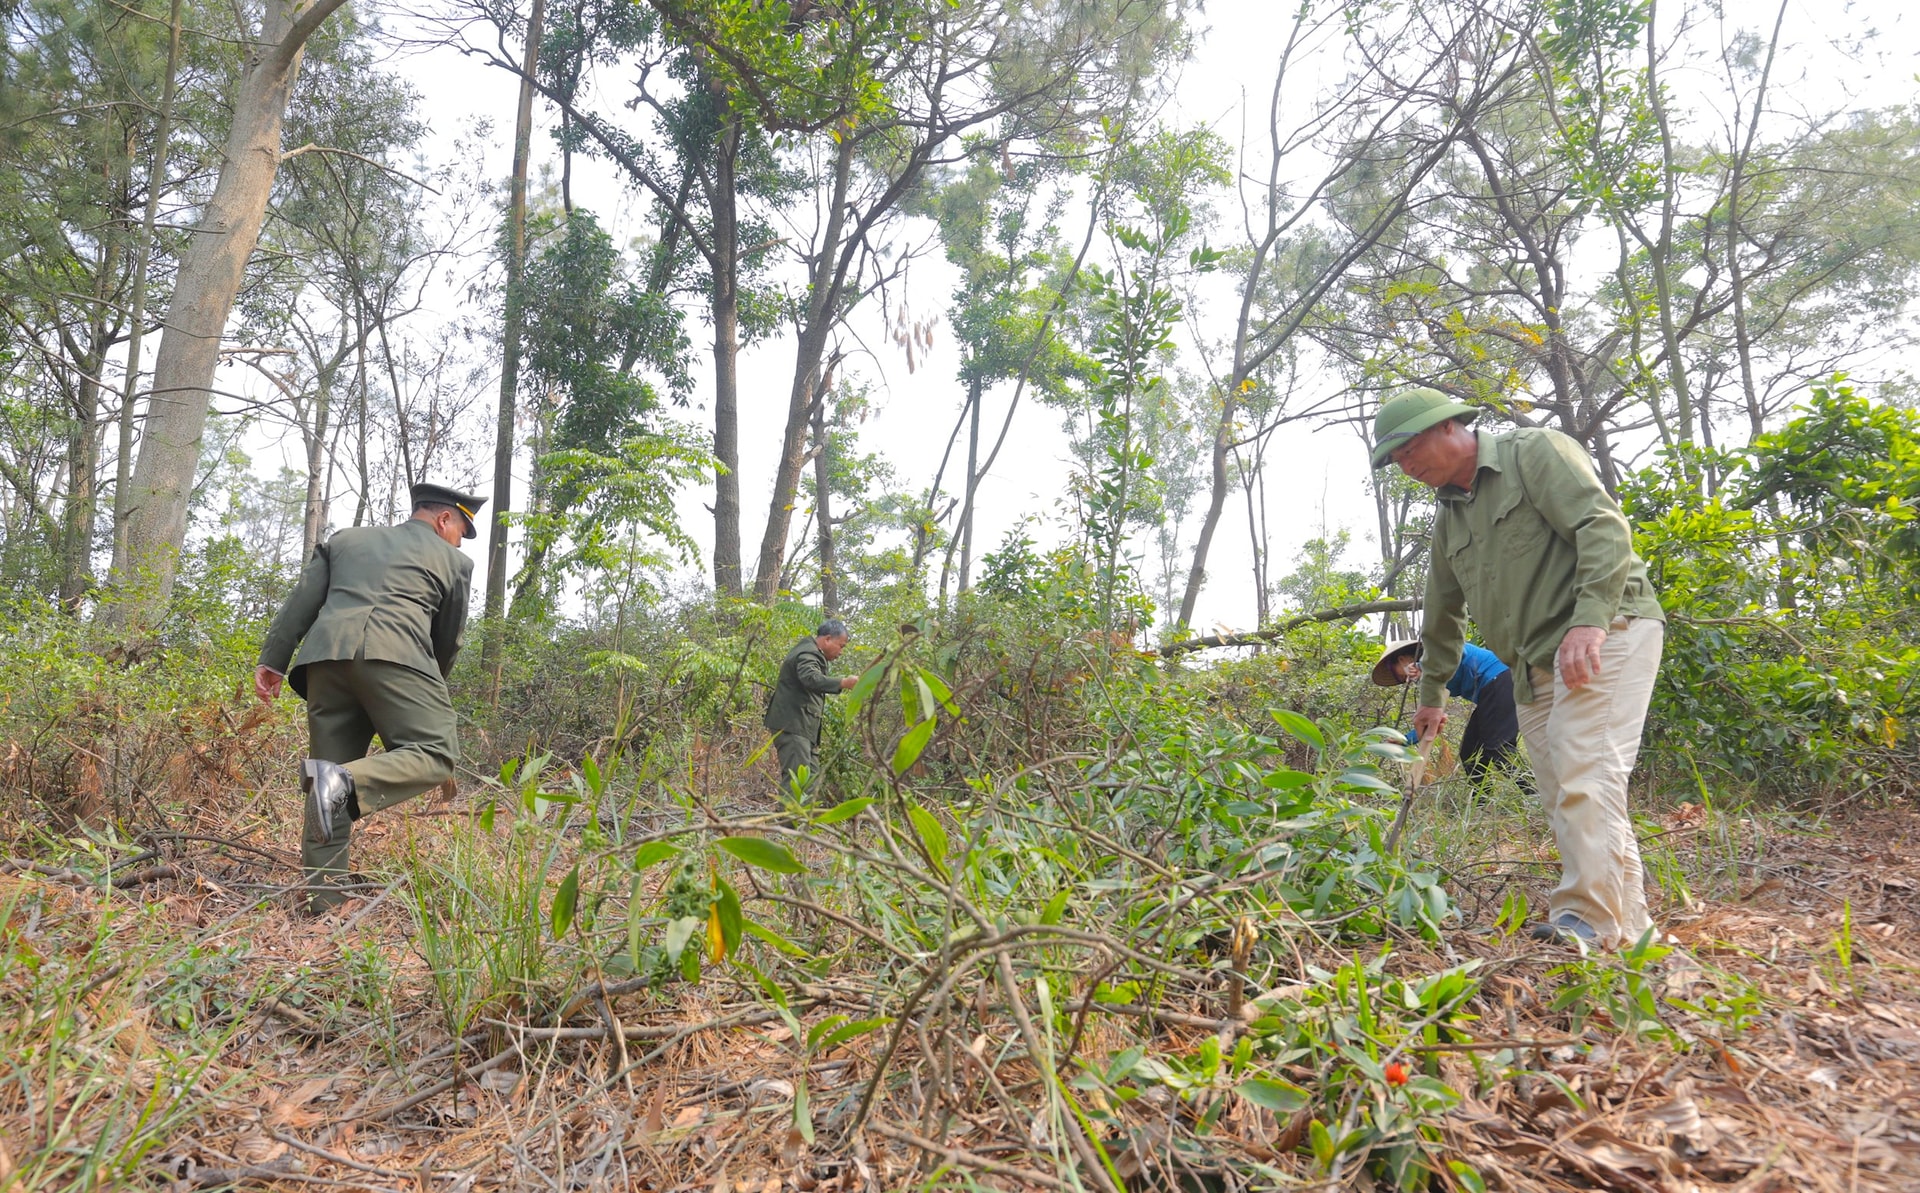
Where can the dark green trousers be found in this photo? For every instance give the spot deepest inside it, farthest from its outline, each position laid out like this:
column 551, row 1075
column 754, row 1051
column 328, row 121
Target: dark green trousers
column 350, row 700
column 795, row 751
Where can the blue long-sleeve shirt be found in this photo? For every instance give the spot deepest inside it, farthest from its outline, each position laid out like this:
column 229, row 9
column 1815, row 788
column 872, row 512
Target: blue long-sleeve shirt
column 1478, row 668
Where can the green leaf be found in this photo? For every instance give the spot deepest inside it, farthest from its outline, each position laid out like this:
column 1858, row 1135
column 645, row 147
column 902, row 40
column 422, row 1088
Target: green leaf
column 776, row 940
column 941, row 692
column 690, row 963
column 1322, row 1143
column 596, row 782
column 652, row 854
column 1056, row 907
column 802, row 1111
column 921, row 688
column 760, row 852
column 932, row 834
column 1281, row 1097
column 679, row 932
column 486, row 818
column 732, row 920
column 846, row 811
column 1286, row 780
column 564, row 901
column 849, row 1031
column 1360, row 780
column 863, row 691
column 1300, row 727
column 1469, row 1178
column 908, row 751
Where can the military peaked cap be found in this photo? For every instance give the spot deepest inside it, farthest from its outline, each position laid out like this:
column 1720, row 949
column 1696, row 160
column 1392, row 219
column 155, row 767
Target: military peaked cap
column 431, row 494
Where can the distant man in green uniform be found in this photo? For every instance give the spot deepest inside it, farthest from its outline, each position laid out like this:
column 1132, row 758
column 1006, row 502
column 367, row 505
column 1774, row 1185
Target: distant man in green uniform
column 800, row 697
column 377, row 616
column 1527, row 541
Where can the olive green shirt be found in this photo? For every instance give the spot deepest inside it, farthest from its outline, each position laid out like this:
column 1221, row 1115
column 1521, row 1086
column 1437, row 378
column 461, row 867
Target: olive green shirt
column 800, row 696
column 395, row 594
column 1535, row 548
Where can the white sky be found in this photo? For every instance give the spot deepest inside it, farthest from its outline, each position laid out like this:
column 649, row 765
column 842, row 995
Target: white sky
column 1316, row 480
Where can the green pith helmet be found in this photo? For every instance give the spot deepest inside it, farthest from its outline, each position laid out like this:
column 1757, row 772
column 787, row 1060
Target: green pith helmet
column 1410, row 412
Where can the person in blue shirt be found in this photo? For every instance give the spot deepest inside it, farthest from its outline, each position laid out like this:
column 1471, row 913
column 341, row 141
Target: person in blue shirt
column 1494, row 728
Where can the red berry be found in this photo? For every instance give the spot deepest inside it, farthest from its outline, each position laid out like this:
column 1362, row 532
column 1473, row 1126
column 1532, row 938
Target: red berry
column 1396, row 1074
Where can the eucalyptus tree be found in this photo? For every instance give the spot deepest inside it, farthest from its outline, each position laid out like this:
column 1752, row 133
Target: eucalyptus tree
column 211, row 269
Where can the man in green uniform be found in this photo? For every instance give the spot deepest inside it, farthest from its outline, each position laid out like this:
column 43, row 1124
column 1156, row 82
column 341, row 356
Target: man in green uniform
column 1527, row 541
column 378, row 617
column 800, row 697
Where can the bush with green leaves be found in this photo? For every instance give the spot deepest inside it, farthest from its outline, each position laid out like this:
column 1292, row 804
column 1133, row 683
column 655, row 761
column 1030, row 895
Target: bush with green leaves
column 1789, row 662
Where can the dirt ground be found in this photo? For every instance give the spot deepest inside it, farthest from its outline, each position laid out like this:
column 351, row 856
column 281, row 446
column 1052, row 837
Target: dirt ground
column 1790, row 1014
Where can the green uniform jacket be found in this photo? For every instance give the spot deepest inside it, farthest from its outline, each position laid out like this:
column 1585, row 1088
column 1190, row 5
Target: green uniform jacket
column 1536, row 547
column 801, row 695
column 395, row 594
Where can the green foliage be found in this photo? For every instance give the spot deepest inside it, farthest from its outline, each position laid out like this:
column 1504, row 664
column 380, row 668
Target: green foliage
column 1817, row 691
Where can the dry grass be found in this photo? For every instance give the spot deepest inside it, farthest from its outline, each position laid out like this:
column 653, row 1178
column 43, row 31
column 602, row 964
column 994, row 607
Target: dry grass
column 185, row 1030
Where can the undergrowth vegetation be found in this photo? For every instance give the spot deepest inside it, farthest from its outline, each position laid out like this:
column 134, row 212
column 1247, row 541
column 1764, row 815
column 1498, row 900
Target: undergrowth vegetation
column 1149, row 924
column 1176, row 924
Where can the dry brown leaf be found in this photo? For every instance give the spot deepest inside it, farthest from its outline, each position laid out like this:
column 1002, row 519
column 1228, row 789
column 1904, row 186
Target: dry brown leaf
column 286, row 1109
column 656, row 1117
column 255, row 1148
column 689, row 1116
column 791, row 1150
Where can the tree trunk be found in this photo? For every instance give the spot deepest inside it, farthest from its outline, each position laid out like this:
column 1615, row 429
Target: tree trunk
column 513, row 321
column 208, row 281
column 1216, row 499
column 722, row 203
column 824, row 292
column 156, row 182
column 822, row 491
column 973, row 483
column 83, row 445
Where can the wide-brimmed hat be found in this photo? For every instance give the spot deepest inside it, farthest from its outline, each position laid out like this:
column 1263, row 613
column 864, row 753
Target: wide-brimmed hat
column 1383, row 670
column 1410, row 412
column 426, row 493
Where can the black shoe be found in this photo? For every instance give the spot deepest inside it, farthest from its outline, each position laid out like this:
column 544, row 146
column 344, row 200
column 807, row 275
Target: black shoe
column 329, row 791
column 1565, row 930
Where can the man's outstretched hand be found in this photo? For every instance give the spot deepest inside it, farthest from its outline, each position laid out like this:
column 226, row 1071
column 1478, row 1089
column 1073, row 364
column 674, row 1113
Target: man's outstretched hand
column 1579, row 657
column 266, row 683
column 847, row 682
column 1427, row 721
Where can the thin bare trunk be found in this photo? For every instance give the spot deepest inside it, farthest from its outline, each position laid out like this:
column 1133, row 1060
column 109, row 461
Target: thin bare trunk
column 973, row 483
column 83, row 447
column 823, row 506
column 724, row 265
column 513, row 326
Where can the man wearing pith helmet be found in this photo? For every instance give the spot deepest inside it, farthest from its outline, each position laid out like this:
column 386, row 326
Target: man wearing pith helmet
column 378, row 617
column 1527, row 541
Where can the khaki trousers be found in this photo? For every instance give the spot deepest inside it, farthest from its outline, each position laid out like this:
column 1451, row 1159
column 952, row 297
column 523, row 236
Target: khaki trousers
column 1583, row 745
column 350, row 700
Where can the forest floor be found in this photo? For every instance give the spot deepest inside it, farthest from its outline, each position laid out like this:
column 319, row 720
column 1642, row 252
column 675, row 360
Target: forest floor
column 206, row 1036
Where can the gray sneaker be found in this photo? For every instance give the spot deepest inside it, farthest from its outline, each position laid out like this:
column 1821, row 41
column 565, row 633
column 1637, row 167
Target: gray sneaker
column 1565, row 929
column 329, row 790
